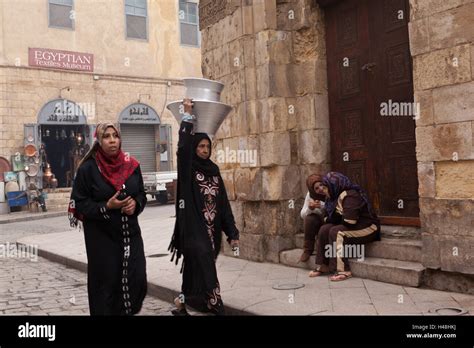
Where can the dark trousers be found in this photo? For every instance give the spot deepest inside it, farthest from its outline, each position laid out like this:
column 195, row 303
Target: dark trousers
column 336, row 244
column 312, row 224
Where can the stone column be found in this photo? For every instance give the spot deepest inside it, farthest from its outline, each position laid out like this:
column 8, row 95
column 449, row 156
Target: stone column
column 271, row 57
column 442, row 45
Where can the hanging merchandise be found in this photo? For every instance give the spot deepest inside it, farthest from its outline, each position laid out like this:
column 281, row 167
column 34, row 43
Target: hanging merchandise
column 57, row 134
column 63, row 134
column 47, row 132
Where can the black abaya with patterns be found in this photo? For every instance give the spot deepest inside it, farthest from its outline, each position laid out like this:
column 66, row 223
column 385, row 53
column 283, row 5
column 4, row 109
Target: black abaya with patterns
column 202, row 212
column 116, row 267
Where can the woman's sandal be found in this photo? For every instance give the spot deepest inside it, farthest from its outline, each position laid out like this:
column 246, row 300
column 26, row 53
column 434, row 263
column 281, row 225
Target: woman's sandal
column 317, row 273
column 180, row 308
column 338, row 277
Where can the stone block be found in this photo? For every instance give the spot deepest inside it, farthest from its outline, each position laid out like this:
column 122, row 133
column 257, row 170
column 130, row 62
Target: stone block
column 424, row 8
column 313, row 146
column 292, row 15
column 454, row 103
column 221, row 61
column 248, row 184
column 426, row 179
column 228, row 178
column 457, row 255
column 430, row 251
column 275, row 149
column 236, row 56
column 264, row 15
column 445, row 142
column 253, row 119
column 252, row 247
column 248, row 152
column 238, row 212
column 247, row 43
column 274, row 113
column 449, row 217
column 281, row 183
column 271, row 217
column 419, row 36
column 250, row 83
column 207, row 65
column 453, row 27
column 276, row 244
column 425, row 100
column 253, row 222
column 455, row 180
column 247, row 20
column 443, row 67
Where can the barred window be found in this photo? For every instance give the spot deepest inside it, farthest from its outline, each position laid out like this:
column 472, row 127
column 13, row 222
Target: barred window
column 61, row 13
column 136, row 19
column 189, row 23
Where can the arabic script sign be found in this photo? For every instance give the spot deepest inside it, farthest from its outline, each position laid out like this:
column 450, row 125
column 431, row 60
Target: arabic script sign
column 139, row 113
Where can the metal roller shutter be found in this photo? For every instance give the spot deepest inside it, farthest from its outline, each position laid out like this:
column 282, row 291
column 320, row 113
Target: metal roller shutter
column 139, row 141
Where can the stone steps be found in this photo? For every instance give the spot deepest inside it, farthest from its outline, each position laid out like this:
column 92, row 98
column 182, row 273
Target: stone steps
column 395, row 259
column 387, row 248
column 386, row 270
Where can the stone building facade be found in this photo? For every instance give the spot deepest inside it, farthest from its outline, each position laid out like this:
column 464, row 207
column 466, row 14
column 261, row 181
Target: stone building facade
column 272, row 57
column 125, row 70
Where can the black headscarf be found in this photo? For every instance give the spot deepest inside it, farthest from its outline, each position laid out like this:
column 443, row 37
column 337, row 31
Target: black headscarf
column 205, row 166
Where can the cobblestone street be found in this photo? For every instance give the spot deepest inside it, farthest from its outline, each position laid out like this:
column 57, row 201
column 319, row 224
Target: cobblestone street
column 46, row 288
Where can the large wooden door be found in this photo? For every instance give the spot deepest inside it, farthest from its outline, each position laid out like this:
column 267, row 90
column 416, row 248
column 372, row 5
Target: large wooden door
column 369, row 64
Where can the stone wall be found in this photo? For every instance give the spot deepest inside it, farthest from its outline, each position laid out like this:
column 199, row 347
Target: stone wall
column 271, row 57
column 24, row 91
column 442, row 45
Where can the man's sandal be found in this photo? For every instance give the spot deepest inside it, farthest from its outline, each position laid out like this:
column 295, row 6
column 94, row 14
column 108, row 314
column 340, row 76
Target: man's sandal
column 340, row 277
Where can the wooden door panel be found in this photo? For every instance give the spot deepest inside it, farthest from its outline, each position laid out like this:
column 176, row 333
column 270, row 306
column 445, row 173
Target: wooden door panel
column 372, row 35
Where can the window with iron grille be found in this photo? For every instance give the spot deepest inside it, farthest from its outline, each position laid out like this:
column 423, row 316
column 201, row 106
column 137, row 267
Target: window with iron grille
column 136, row 19
column 189, row 23
column 61, row 13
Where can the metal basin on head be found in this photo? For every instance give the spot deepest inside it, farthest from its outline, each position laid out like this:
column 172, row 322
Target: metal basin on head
column 203, row 89
column 209, row 114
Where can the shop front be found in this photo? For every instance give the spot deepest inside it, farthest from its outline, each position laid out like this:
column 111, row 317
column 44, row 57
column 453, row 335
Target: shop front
column 63, row 137
column 145, row 138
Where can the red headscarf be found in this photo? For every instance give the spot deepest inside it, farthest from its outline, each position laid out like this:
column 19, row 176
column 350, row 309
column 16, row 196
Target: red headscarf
column 115, row 169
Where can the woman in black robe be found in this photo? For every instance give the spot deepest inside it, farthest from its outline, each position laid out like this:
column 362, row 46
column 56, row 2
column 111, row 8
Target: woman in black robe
column 202, row 213
column 116, row 267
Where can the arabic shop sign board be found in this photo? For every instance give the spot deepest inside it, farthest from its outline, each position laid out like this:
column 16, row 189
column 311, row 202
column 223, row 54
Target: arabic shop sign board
column 56, row 59
column 62, row 111
column 139, row 113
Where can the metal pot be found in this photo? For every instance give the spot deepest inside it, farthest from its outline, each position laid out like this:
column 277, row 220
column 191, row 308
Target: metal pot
column 209, row 114
column 203, row 89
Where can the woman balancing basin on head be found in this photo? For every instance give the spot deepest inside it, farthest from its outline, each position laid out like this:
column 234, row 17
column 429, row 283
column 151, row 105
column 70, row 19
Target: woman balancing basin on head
column 107, row 196
column 202, row 213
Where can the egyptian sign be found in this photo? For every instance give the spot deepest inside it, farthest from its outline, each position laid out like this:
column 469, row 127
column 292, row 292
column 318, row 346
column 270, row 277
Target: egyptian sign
column 139, row 113
column 56, row 59
column 62, row 111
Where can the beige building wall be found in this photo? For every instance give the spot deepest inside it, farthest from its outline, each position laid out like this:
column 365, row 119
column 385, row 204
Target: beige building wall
column 100, row 30
column 124, row 69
